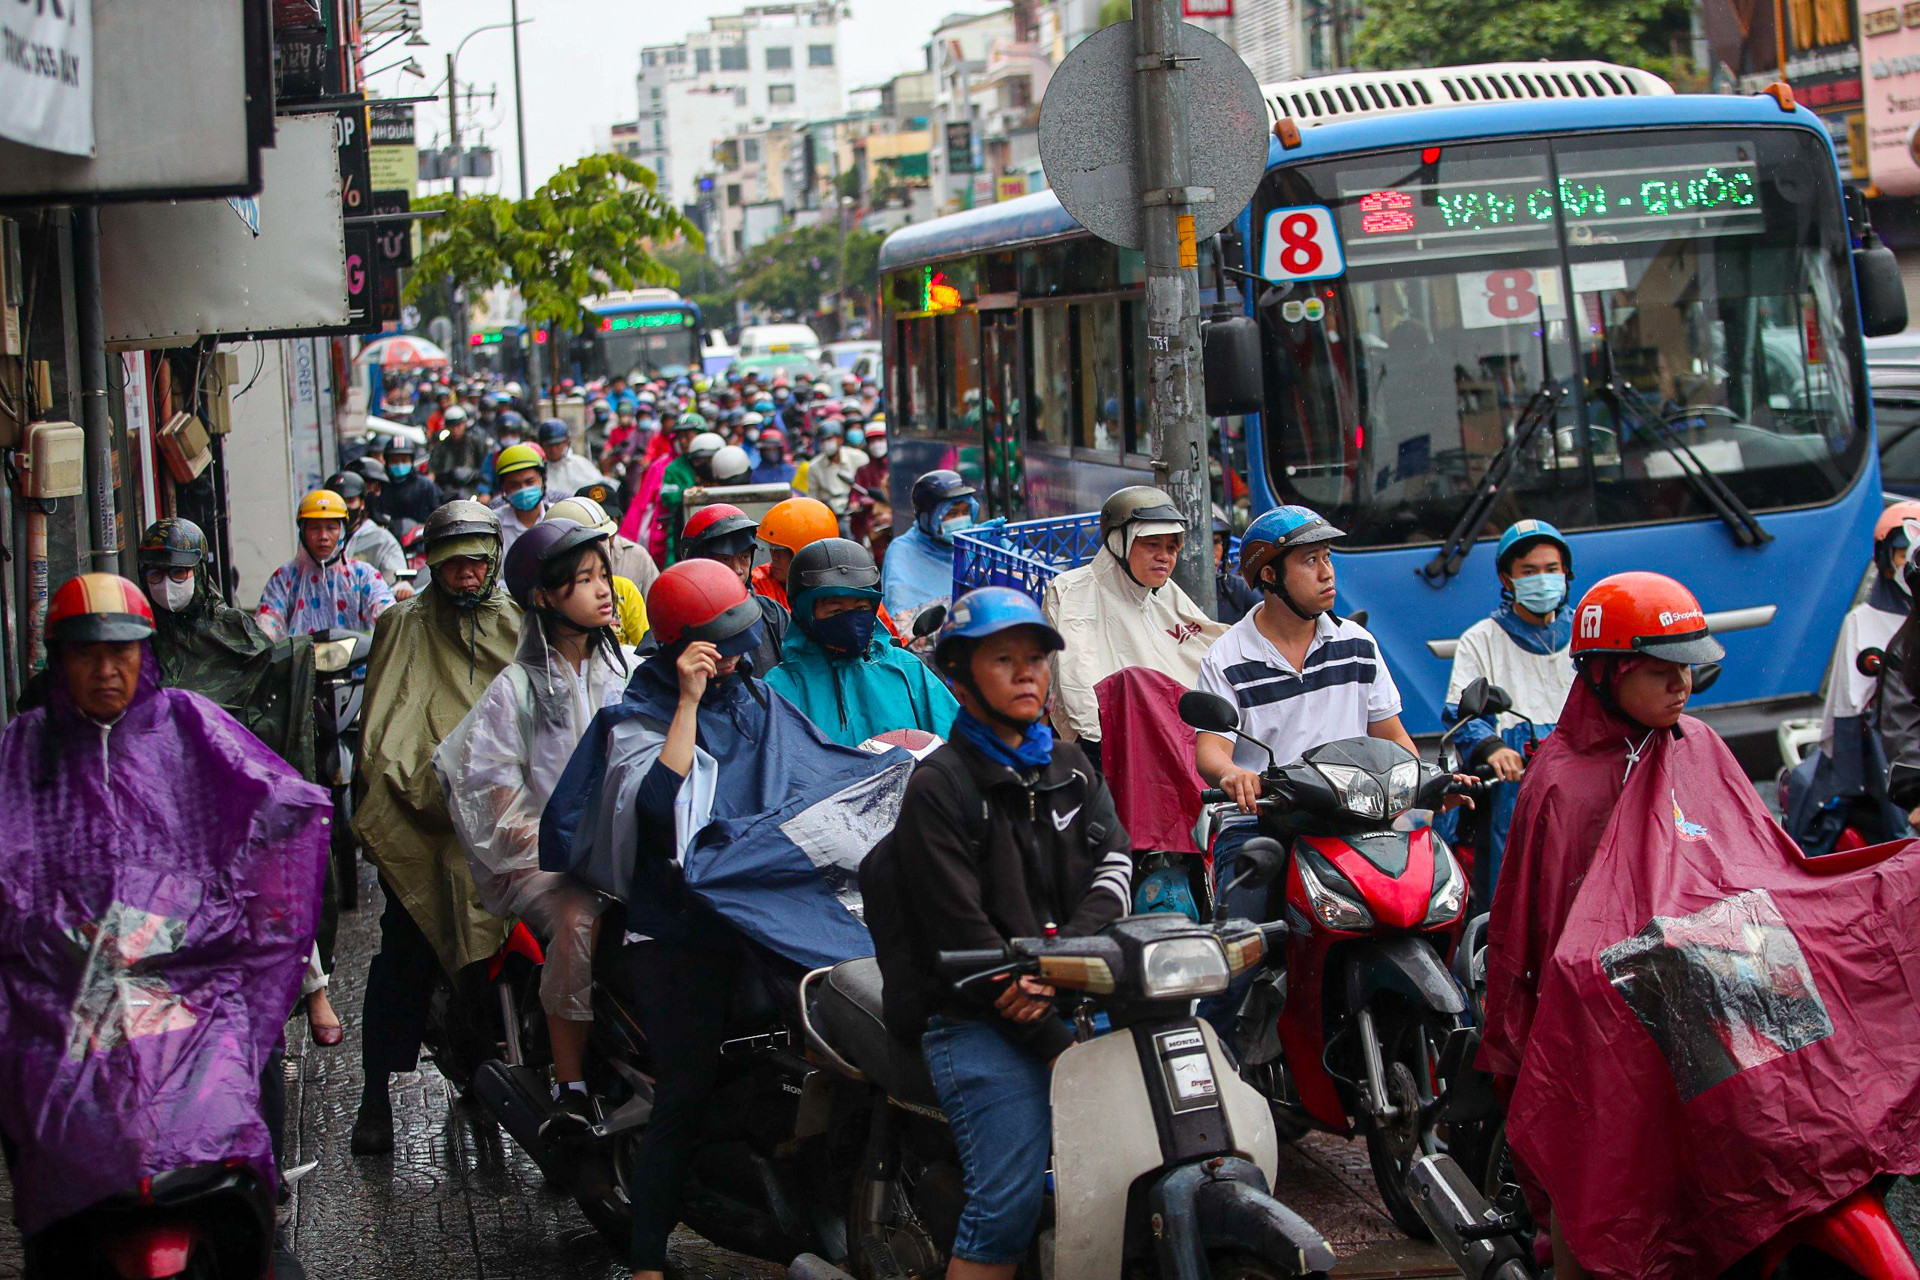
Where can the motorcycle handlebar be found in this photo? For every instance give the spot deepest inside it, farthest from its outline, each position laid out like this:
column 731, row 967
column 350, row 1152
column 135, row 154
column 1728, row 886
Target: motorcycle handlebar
column 962, row 963
column 1214, row 795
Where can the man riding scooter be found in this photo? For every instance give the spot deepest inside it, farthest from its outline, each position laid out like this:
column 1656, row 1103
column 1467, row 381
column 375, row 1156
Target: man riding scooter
column 160, row 879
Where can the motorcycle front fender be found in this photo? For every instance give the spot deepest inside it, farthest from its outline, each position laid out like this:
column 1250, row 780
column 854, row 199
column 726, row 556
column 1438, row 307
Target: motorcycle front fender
column 1226, row 1204
column 1405, row 966
column 1857, row 1232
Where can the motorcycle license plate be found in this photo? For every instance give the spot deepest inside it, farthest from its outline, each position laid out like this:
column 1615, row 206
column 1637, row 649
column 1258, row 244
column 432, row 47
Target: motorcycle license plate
column 1188, row 1070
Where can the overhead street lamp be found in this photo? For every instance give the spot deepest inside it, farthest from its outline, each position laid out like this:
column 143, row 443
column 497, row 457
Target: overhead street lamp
column 453, row 156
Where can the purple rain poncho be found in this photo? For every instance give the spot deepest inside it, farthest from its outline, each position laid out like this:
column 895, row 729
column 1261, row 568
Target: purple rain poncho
column 159, row 890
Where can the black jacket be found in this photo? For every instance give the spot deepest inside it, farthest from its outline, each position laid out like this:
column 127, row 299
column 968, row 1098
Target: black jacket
column 981, row 855
column 414, row 498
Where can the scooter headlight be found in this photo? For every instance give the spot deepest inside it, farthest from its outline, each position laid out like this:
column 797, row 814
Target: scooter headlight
column 1334, row 910
column 1359, row 791
column 1449, row 885
column 1403, row 786
column 330, row 656
column 1182, row 968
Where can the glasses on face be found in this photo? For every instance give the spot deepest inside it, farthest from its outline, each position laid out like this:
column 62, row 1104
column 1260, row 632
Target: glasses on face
column 154, row 576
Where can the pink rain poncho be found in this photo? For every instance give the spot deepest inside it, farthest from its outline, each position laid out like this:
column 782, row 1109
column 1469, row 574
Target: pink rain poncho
column 1708, row 1035
column 159, row 890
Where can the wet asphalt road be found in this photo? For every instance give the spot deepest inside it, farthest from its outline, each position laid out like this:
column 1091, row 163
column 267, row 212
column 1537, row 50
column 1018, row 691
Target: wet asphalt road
column 457, row 1200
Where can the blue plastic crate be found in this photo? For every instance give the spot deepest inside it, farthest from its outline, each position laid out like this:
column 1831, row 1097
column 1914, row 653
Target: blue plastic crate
column 1025, row 556
column 1029, row 555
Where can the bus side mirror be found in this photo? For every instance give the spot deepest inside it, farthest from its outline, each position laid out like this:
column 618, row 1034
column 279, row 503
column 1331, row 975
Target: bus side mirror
column 1883, row 298
column 1230, row 359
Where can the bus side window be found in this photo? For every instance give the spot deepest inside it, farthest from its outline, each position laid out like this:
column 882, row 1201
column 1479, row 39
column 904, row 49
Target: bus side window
column 1050, row 374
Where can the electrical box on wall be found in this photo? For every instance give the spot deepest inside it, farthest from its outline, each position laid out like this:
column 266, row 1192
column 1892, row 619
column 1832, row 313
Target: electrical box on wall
column 55, row 465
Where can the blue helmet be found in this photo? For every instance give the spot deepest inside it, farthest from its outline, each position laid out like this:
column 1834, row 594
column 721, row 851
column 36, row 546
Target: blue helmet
column 1279, row 530
column 983, row 612
column 933, row 493
column 1521, row 535
column 552, row 431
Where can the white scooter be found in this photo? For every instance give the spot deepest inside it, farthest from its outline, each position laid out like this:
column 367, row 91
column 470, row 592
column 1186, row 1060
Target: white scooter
column 1163, row 1159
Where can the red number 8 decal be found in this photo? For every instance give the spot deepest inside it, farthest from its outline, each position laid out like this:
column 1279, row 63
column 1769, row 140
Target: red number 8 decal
column 1510, row 295
column 1300, row 253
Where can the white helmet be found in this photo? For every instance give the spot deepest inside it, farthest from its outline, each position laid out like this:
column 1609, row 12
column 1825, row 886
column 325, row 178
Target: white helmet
column 454, row 413
column 707, row 443
column 584, row 510
column 731, row 465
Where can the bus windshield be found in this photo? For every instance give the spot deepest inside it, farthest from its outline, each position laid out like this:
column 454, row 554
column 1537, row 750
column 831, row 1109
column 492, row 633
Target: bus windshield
column 651, row 344
column 1698, row 278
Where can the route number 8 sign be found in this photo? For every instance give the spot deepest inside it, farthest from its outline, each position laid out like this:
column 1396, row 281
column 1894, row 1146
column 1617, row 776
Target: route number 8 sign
column 1301, row 244
column 1508, row 295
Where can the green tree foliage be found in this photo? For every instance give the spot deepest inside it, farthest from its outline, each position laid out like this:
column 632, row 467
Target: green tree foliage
column 789, row 272
column 1439, row 33
column 586, row 231
column 1112, row 11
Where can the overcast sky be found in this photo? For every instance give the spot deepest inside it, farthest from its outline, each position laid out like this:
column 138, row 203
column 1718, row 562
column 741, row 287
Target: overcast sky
column 579, row 58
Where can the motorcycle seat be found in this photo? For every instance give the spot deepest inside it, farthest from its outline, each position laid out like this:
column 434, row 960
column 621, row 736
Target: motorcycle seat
column 845, row 1011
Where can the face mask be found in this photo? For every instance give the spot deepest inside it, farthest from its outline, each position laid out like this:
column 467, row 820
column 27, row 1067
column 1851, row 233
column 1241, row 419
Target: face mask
column 170, row 595
column 878, row 449
column 526, row 499
column 954, row 524
column 855, row 440
column 845, row 634
column 753, row 435
column 399, row 470
column 829, row 447
column 1540, row 593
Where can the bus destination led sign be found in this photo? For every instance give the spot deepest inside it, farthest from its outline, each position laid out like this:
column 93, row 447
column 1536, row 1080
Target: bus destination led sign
column 644, row 320
column 1607, row 205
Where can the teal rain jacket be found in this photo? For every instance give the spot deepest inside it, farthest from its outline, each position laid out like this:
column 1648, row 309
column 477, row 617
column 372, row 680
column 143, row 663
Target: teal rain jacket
column 852, row 699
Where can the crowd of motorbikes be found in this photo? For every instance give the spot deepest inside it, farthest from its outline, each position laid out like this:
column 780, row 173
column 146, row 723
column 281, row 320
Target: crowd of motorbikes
column 827, row 1149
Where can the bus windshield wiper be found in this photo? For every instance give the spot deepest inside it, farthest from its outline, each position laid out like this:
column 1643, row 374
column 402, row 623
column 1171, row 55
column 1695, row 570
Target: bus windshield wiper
column 1738, row 517
column 1453, row 552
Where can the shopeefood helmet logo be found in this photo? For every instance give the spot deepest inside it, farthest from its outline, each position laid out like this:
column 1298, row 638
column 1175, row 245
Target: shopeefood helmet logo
column 1668, row 617
column 1590, row 622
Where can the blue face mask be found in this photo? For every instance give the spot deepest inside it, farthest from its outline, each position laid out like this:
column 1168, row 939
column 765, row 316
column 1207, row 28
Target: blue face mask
column 399, row 470
column 845, row 635
column 526, row 499
column 1540, row 593
column 955, row 524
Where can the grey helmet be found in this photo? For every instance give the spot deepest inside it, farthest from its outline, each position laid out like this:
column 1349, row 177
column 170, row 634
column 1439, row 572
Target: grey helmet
column 832, row 562
column 1136, row 504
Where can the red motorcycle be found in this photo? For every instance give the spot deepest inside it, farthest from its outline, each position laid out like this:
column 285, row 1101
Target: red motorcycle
column 1342, row 1034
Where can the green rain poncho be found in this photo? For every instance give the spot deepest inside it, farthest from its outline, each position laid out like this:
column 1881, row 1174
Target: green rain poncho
column 220, row 653
column 432, row 660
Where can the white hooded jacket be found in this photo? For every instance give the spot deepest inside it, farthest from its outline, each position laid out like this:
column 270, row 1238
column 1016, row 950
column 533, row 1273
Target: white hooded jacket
column 501, row 763
column 1109, row 621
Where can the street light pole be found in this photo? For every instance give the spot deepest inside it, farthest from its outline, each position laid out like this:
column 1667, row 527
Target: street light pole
column 461, row 356
column 1177, row 412
column 519, row 100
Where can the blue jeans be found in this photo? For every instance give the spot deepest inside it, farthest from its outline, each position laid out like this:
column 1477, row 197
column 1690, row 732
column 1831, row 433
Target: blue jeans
column 995, row 1097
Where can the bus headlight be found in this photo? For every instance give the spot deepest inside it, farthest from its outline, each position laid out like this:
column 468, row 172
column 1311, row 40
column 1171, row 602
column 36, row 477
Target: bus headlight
column 1181, row 968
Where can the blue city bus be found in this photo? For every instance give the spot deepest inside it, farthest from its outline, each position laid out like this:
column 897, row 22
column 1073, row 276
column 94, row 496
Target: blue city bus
column 644, row 333
column 1621, row 286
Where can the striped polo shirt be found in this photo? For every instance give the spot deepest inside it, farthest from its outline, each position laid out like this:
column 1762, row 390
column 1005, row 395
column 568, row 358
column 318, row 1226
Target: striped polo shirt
column 1340, row 688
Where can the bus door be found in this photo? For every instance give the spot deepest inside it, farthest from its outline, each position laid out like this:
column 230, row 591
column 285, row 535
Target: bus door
column 1001, row 379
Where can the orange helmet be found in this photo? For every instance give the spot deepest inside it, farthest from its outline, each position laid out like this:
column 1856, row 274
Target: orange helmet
column 98, row 606
column 1644, row 613
column 1890, row 533
column 798, row 522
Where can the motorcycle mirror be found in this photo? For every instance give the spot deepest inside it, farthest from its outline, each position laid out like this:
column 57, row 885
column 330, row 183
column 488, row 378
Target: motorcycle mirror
column 1704, row 675
column 1473, row 699
column 929, row 620
column 1261, row 859
column 1358, row 617
column 1209, row 712
column 1867, row 663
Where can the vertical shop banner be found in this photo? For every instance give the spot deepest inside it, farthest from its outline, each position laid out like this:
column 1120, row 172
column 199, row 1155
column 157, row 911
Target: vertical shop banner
column 46, row 75
column 1890, row 68
column 133, row 366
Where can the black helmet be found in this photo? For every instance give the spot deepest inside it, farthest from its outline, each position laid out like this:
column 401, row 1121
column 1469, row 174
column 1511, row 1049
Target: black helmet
column 172, row 544
column 553, row 431
column 830, row 567
column 400, row 445
column 370, row 471
column 937, row 488
column 348, row 484
column 540, row 546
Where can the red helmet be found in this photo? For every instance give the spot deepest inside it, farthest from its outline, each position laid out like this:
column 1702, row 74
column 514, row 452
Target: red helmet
column 703, row 600
column 720, row 529
column 99, row 606
column 1646, row 613
column 1890, row 533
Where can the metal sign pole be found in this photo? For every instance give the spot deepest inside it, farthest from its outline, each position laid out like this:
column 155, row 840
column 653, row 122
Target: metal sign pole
column 1176, row 404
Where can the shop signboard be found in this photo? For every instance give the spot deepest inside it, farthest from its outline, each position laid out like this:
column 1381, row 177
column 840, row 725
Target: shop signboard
column 172, row 272
column 1890, row 70
column 182, row 110
column 46, row 76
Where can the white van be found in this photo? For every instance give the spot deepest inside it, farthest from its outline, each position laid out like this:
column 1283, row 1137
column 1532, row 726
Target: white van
column 779, row 339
